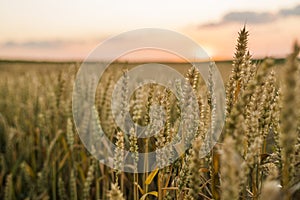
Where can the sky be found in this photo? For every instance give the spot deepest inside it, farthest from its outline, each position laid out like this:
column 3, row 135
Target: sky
column 70, row 29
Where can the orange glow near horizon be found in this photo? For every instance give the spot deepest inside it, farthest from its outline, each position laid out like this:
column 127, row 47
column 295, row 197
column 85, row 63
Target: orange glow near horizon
column 272, row 39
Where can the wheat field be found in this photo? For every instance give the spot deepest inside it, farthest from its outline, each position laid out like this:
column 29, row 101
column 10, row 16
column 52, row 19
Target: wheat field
column 257, row 156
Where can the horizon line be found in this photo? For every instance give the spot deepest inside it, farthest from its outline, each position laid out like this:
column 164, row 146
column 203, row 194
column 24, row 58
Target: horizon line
column 66, row 61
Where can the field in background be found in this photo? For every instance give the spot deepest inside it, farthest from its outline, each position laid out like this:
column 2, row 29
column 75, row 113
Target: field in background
column 21, row 67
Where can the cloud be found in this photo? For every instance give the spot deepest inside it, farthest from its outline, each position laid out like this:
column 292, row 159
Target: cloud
column 34, row 44
column 251, row 17
column 291, row 12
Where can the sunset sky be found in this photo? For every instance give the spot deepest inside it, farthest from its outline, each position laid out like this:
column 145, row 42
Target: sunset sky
column 65, row 29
